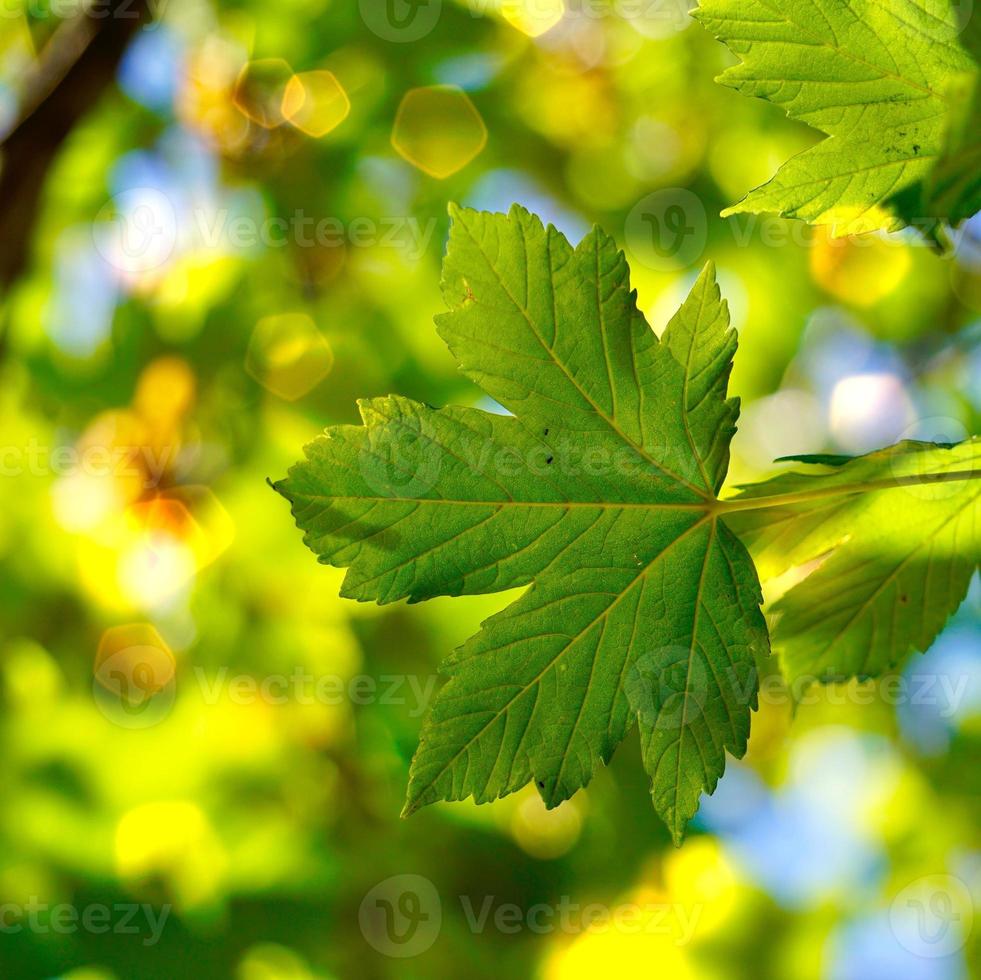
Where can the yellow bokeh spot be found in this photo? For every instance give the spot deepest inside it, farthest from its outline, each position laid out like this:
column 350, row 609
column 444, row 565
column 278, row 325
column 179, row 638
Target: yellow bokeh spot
column 164, row 397
column 857, row 219
column 861, row 271
column 315, row 102
column 147, row 555
column 112, row 450
column 700, row 878
column 438, row 129
column 533, row 17
column 84, row 502
column 191, row 515
column 260, row 89
column 175, row 840
column 165, row 391
column 619, row 953
column 270, row 961
column 133, row 661
column 545, row 833
column 154, row 570
column 193, row 283
column 288, row 355
column 204, row 102
column 31, row 676
column 574, row 109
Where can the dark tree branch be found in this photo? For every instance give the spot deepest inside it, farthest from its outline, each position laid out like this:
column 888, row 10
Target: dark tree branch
column 77, row 64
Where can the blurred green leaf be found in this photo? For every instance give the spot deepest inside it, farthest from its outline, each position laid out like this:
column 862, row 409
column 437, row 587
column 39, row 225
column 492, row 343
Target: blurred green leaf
column 892, row 87
column 895, row 567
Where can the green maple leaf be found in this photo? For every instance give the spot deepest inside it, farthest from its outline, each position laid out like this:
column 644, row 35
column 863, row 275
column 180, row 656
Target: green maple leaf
column 600, row 493
column 893, row 83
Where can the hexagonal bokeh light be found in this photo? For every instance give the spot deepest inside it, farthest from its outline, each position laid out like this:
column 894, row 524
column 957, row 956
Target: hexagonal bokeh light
column 315, row 102
column 288, row 355
column 533, row 17
column 438, row 129
column 261, row 89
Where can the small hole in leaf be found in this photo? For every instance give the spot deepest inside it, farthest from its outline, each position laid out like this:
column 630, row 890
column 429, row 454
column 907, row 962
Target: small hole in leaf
column 549, row 460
